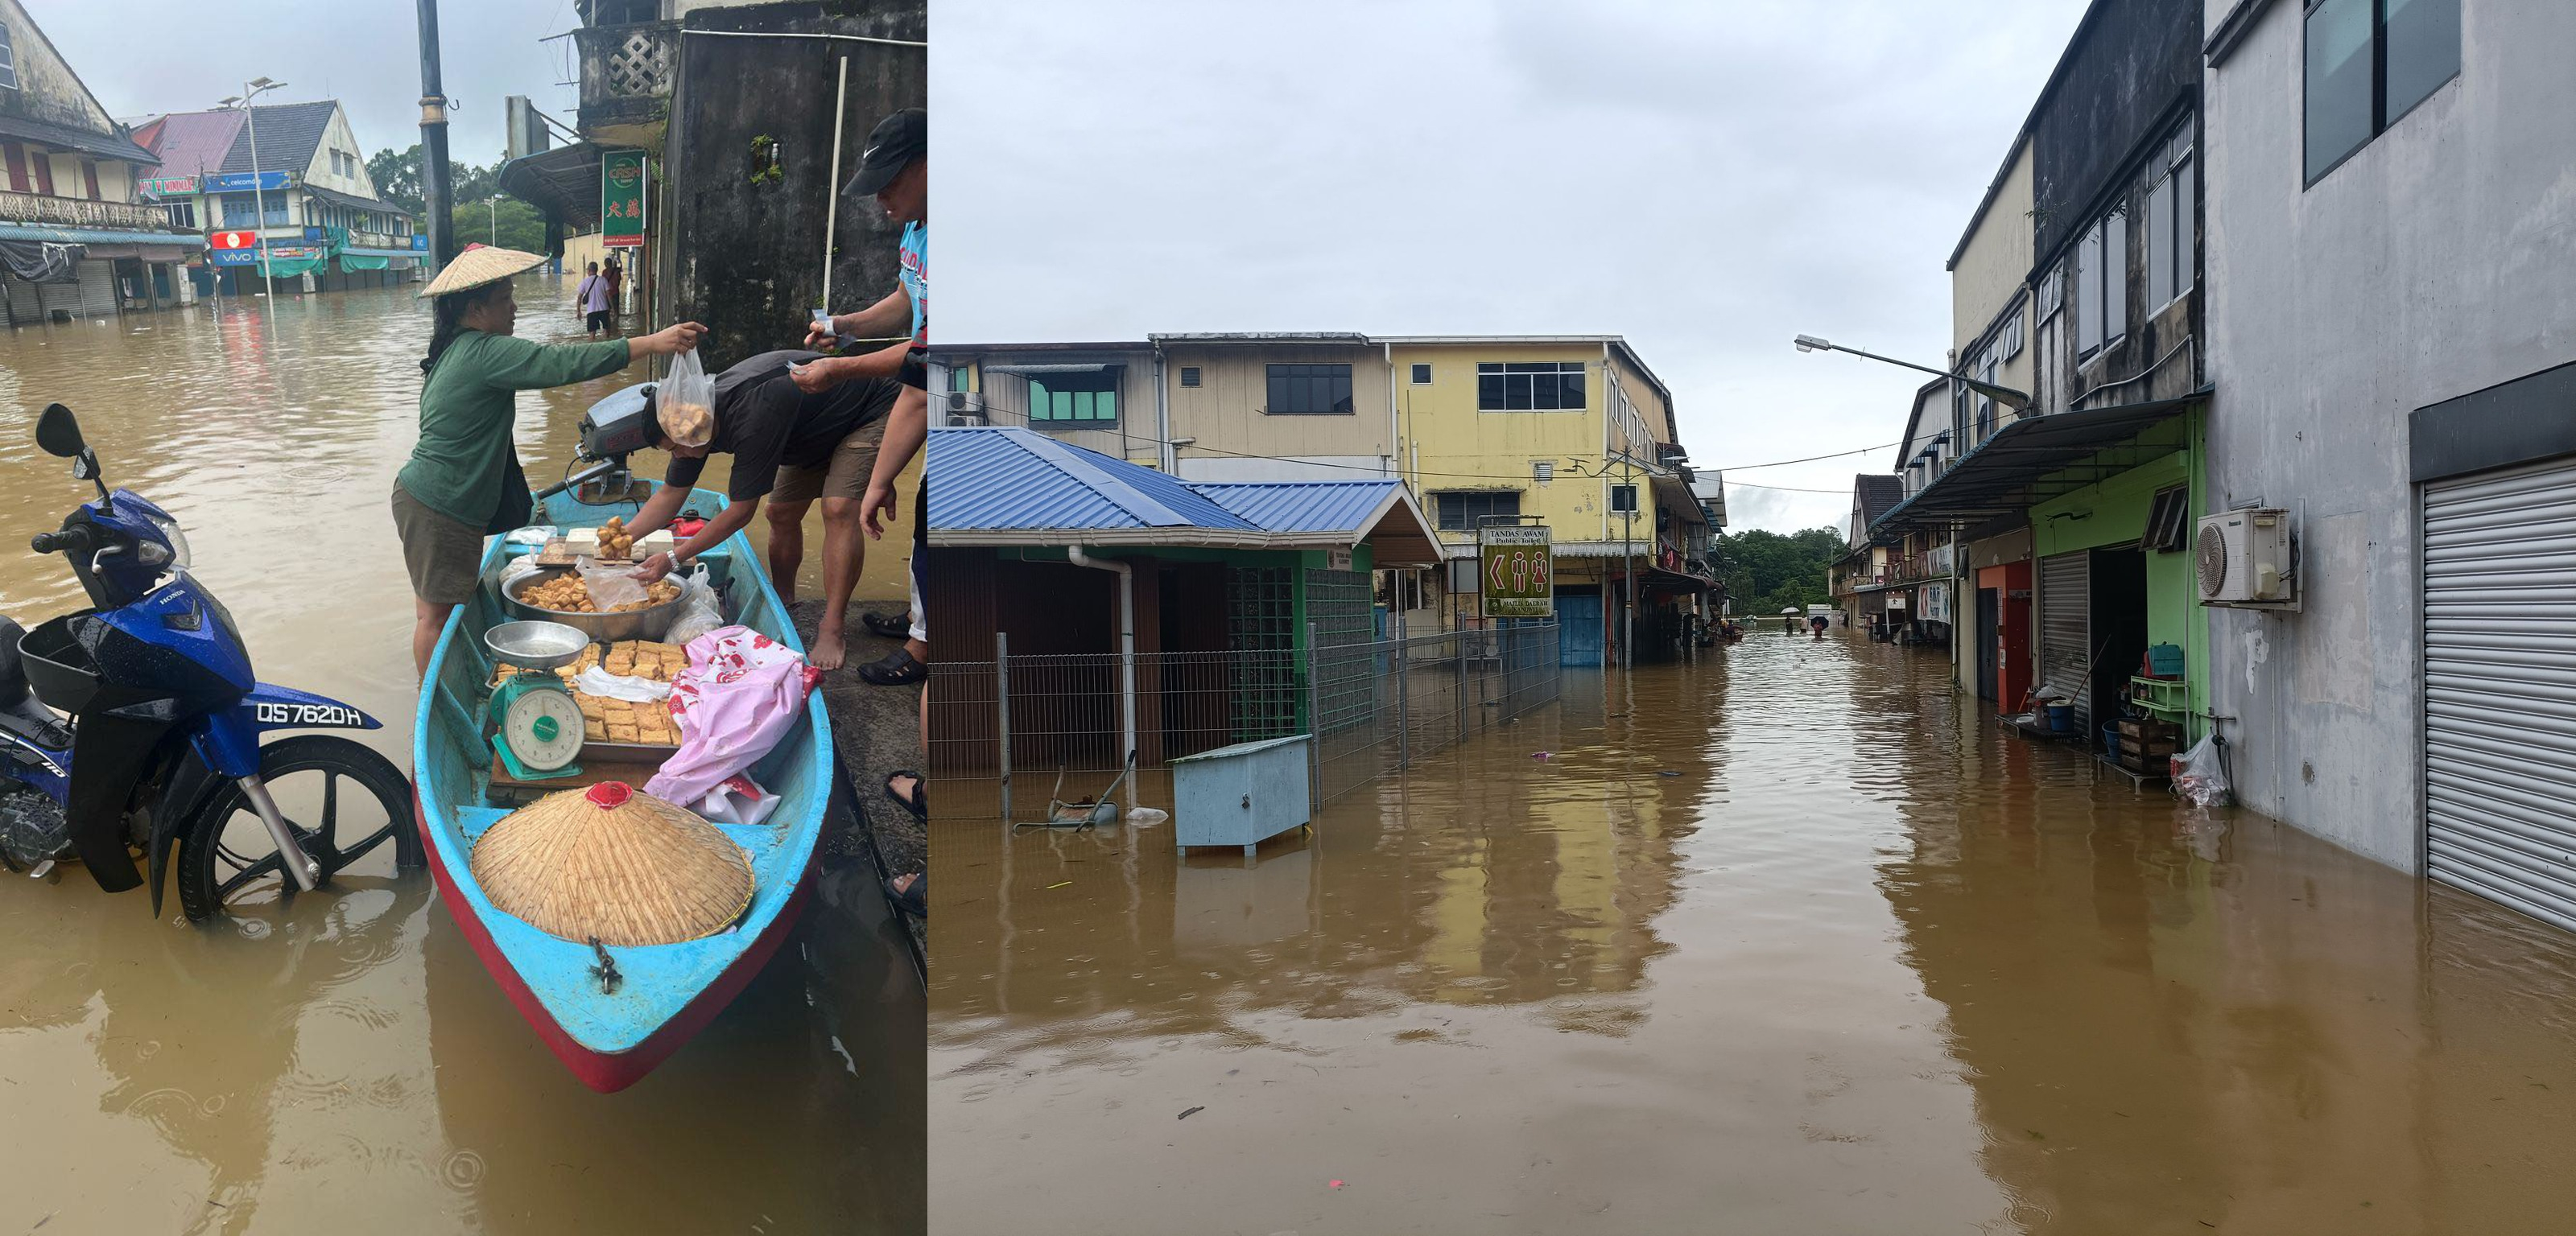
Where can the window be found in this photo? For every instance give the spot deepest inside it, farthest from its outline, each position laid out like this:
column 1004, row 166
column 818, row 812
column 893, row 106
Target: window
column 1086, row 400
column 1522, row 386
column 960, row 379
column 1422, row 375
column 2369, row 62
column 2102, row 284
column 8, row 60
column 1467, row 511
column 182, row 215
column 1189, row 375
column 1623, row 498
column 1307, row 390
column 2169, row 521
column 17, row 157
column 2169, row 223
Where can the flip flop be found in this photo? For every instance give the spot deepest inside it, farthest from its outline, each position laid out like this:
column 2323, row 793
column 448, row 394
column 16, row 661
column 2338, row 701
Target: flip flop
column 894, row 669
column 919, row 804
column 912, row 899
column 891, row 626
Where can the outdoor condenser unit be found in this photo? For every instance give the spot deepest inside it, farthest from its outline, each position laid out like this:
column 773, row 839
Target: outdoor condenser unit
column 2247, row 557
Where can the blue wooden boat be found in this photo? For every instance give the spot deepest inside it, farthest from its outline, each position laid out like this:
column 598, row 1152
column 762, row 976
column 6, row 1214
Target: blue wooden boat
column 665, row 993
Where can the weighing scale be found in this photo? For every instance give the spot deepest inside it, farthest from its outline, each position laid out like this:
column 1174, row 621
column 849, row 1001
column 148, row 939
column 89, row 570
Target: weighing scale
column 537, row 727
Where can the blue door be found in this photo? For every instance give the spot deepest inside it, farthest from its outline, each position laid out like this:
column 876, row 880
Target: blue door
column 1578, row 618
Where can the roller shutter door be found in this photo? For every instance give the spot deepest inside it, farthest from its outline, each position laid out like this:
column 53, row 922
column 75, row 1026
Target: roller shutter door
column 2500, row 687
column 2066, row 630
column 98, row 289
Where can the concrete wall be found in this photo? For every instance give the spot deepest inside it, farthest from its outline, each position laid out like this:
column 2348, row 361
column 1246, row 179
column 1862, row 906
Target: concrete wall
column 1993, row 264
column 1451, row 445
column 2436, row 260
column 48, row 88
column 1226, row 412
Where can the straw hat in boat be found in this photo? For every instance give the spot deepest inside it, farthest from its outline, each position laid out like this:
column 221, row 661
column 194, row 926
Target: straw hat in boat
column 610, row 864
column 479, row 265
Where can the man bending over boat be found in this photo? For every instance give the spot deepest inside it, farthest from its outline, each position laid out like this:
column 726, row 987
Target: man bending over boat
column 790, row 447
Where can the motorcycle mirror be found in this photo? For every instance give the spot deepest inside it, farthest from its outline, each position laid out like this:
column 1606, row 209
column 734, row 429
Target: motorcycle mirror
column 58, row 432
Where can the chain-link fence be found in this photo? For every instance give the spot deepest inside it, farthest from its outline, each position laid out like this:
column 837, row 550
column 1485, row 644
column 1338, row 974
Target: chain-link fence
column 1012, row 735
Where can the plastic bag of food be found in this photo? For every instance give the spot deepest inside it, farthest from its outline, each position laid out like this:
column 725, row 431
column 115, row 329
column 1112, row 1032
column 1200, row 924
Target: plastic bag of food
column 2200, row 775
column 685, row 402
column 609, row 586
column 700, row 612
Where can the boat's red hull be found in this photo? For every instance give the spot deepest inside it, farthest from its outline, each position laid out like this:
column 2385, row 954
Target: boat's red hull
column 608, row 1072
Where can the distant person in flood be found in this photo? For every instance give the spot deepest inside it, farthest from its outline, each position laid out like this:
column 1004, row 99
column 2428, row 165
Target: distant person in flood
column 615, row 273
column 463, row 482
column 1816, row 623
column 591, row 300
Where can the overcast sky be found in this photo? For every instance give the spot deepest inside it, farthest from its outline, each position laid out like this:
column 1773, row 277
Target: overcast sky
column 1706, row 179
column 365, row 54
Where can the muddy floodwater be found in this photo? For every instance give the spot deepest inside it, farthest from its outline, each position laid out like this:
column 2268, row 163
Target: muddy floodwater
column 348, row 1064
column 1789, row 940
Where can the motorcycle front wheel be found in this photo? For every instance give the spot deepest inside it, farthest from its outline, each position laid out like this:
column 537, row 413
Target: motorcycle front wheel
column 343, row 801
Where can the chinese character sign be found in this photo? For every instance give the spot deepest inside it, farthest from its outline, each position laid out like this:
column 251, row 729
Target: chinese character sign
column 1518, row 577
column 621, row 199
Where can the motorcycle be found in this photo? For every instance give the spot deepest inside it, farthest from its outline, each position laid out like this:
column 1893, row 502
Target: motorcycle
column 158, row 748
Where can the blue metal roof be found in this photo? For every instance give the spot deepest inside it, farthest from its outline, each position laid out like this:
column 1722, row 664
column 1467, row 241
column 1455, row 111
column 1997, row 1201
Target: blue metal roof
column 95, row 236
column 1012, row 479
column 1304, row 506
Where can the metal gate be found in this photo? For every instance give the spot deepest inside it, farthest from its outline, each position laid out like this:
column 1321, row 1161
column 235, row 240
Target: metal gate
column 98, row 289
column 2066, row 631
column 2500, row 687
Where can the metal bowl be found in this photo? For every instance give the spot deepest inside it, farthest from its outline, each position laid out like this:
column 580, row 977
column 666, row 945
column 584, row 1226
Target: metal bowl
column 650, row 623
column 537, row 644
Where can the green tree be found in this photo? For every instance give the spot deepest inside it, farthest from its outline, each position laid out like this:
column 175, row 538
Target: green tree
column 1765, row 572
column 397, row 178
column 518, row 224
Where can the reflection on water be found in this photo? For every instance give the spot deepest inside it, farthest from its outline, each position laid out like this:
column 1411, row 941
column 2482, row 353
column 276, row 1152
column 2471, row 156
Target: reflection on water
column 350, row 1061
column 1784, row 941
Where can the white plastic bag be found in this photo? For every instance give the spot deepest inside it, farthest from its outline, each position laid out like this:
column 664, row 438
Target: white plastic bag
column 533, row 534
column 609, row 587
column 685, row 402
column 737, row 800
column 605, row 685
column 2199, row 776
column 700, row 612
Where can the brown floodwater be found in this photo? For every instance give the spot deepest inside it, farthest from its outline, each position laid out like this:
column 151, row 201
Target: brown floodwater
column 1789, row 940
column 348, row 1061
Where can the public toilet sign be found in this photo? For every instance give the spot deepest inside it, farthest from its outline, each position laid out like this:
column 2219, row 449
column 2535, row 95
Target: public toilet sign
column 621, row 199
column 1517, row 580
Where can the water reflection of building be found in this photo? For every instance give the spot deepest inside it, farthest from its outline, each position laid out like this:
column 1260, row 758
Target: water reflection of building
column 76, row 236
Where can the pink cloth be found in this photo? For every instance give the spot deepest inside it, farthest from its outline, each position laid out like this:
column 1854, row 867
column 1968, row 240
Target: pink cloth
column 741, row 694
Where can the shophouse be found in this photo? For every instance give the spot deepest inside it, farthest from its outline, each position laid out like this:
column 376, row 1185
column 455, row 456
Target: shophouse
column 76, row 237
column 290, row 186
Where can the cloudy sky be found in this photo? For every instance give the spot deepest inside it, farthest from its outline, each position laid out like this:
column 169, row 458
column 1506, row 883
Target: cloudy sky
column 367, row 55
column 1706, row 179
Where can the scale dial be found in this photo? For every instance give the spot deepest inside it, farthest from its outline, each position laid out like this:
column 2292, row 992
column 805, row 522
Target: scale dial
column 543, row 728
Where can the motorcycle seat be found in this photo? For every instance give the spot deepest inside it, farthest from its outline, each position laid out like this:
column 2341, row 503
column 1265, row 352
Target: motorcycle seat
column 20, row 712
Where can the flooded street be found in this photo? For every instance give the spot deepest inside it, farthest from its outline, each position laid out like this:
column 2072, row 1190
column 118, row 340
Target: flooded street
column 1789, row 940
column 352, row 1062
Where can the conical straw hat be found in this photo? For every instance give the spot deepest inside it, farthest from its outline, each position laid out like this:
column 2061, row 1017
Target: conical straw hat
column 479, row 265
column 613, row 865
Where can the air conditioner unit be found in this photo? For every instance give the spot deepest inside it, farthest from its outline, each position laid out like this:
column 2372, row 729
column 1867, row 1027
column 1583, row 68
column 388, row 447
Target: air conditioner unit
column 2247, row 557
column 967, row 408
column 961, row 420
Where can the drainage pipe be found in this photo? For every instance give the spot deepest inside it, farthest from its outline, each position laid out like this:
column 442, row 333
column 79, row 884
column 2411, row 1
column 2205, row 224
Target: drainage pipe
column 1126, row 650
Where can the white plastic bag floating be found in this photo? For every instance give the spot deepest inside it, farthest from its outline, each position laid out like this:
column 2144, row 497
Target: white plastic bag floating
column 737, row 800
column 2200, row 776
column 700, row 612
column 609, row 587
column 1146, row 817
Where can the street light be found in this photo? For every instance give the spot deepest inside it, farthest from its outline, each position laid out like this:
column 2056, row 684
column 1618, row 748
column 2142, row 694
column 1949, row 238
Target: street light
column 492, row 206
column 251, row 91
column 2004, row 395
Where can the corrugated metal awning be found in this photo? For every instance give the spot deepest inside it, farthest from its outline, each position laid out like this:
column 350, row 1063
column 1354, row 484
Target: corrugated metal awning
column 2038, row 458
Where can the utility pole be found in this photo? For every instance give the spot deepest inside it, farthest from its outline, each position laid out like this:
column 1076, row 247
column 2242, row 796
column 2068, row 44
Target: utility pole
column 434, row 188
column 248, row 102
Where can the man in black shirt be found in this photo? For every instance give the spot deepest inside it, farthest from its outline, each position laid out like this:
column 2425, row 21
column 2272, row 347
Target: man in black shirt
column 791, row 448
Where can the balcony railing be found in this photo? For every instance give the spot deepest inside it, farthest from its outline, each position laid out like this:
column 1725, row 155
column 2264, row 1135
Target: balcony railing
column 81, row 212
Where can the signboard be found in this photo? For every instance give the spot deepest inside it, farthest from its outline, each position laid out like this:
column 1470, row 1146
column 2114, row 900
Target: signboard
column 232, row 240
column 1896, row 600
column 1517, row 577
column 250, row 257
column 621, row 199
column 1337, row 560
column 314, row 234
column 240, row 182
column 1936, row 602
column 167, row 186
column 420, row 242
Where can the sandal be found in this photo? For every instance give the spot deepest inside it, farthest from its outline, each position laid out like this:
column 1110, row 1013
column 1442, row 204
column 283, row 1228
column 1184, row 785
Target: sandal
column 919, row 804
column 911, row 898
column 894, row 669
column 889, row 626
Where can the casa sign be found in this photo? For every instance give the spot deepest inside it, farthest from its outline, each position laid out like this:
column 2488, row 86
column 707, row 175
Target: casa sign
column 1516, row 578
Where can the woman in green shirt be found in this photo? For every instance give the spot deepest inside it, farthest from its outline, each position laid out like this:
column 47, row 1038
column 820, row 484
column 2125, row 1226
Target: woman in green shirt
column 464, row 482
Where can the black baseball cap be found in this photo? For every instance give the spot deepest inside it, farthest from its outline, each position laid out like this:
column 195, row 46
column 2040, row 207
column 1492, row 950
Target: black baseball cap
column 892, row 146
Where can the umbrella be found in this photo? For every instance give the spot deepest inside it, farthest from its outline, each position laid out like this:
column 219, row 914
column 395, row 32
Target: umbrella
column 1792, row 611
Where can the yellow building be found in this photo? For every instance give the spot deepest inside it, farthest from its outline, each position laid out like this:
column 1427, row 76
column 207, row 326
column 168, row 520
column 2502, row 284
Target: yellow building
column 1573, row 431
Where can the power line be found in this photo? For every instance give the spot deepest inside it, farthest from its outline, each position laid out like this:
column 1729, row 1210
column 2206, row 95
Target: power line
column 1809, row 459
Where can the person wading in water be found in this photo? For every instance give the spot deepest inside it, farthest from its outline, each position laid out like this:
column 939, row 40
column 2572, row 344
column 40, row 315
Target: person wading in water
column 464, row 482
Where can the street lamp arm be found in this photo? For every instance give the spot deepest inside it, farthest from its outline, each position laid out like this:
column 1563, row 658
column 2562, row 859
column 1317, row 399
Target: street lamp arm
column 2004, row 395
